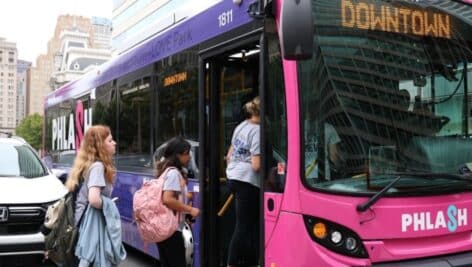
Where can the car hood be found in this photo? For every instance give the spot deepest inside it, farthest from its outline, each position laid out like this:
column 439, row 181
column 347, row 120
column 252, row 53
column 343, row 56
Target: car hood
column 16, row 190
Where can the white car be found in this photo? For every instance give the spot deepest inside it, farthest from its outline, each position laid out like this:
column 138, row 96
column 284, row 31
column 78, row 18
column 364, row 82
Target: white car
column 27, row 188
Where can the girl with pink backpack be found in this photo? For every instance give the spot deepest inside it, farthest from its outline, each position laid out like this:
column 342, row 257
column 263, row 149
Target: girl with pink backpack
column 174, row 196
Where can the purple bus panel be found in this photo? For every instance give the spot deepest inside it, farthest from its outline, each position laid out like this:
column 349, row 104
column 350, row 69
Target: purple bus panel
column 190, row 32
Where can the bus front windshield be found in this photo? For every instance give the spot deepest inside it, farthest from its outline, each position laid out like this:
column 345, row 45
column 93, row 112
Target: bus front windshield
column 386, row 94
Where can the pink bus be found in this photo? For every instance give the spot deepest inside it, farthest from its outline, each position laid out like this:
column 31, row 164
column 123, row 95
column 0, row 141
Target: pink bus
column 379, row 123
column 365, row 134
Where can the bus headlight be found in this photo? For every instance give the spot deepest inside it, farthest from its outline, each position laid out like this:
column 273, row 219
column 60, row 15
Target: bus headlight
column 335, row 237
column 351, row 243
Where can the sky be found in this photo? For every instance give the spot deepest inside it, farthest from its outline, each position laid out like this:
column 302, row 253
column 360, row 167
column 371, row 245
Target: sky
column 31, row 23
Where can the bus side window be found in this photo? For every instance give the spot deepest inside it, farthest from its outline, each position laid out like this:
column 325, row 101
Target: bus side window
column 134, row 107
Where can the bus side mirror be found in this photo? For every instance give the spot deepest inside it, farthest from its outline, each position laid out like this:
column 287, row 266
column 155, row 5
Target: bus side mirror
column 296, row 29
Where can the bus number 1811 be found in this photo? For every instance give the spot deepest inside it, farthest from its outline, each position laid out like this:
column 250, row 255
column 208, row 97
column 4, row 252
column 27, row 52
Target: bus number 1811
column 225, row 18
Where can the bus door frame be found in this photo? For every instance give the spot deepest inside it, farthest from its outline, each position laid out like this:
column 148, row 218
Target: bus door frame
column 209, row 158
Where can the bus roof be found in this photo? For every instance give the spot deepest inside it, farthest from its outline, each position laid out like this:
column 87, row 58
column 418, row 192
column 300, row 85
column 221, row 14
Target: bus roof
column 189, row 32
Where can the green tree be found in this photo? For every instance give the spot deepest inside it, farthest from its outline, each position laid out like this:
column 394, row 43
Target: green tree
column 31, row 129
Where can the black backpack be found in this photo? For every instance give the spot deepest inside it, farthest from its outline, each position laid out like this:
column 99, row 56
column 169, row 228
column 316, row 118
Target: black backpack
column 60, row 231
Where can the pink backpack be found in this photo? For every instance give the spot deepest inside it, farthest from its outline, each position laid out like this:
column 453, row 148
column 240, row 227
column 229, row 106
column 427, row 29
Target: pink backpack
column 155, row 221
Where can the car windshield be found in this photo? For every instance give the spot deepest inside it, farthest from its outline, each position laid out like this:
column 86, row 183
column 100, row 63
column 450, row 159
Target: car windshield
column 19, row 161
column 66, row 159
column 387, row 92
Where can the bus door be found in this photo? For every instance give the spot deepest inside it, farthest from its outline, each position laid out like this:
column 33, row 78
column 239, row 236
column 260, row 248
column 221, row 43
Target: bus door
column 228, row 79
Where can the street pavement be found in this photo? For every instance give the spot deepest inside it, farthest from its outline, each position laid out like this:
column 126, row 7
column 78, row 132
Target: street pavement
column 134, row 259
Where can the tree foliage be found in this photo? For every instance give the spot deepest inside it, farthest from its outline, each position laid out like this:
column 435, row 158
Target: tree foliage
column 31, row 128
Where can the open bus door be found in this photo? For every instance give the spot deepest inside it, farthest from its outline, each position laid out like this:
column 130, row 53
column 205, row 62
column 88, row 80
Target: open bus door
column 229, row 77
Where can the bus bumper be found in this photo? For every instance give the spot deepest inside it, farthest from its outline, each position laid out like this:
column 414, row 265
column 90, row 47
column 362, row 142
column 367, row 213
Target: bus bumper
column 463, row 259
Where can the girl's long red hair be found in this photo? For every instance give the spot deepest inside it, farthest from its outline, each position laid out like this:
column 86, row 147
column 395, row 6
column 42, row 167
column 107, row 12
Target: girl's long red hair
column 92, row 149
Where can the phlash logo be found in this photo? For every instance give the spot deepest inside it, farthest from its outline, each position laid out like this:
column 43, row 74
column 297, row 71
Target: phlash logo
column 423, row 221
column 68, row 134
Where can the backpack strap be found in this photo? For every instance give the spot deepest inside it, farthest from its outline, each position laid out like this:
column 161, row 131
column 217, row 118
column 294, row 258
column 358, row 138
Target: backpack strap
column 75, row 193
column 163, row 175
column 182, row 191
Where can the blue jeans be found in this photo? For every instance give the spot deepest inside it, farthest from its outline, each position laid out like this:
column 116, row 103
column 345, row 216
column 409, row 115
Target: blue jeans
column 244, row 245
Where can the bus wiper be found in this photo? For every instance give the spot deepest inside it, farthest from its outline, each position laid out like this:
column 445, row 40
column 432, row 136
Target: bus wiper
column 424, row 175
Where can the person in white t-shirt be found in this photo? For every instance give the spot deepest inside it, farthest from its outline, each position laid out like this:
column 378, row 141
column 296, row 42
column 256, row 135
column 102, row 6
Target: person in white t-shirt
column 243, row 164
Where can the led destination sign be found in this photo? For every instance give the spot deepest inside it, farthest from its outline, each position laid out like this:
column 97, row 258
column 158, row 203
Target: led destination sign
column 176, row 78
column 367, row 16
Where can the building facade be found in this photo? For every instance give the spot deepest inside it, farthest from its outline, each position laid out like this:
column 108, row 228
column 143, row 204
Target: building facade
column 76, row 57
column 134, row 21
column 8, row 79
column 101, row 33
column 91, row 33
column 22, row 82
